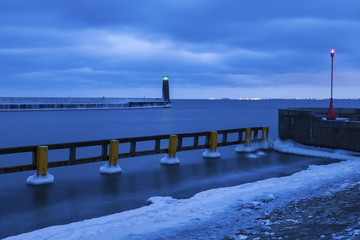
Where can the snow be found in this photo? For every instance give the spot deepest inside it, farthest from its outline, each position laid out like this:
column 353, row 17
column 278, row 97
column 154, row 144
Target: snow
column 211, row 154
column 169, row 214
column 38, row 179
column 109, row 168
column 290, row 146
column 170, row 160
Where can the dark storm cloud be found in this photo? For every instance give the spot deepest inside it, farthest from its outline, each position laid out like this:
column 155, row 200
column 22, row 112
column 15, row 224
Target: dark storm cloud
column 199, row 43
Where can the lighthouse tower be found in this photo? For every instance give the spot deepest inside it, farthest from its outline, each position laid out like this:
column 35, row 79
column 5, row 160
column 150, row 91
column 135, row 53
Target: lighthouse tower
column 165, row 89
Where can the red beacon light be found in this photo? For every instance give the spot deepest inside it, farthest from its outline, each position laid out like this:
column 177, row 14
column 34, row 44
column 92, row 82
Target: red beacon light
column 332, row 52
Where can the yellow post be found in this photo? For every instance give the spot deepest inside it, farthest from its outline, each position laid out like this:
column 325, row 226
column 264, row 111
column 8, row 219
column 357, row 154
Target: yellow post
column 172, row 145
column 265, row 133
column 213, row 140
column 248, row 135
column 42, row 160
column 114, row 152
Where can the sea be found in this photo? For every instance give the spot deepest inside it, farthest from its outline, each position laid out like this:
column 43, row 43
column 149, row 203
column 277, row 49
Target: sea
column 80, row 192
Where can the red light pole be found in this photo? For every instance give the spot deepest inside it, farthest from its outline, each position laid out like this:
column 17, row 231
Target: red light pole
column 331, row 112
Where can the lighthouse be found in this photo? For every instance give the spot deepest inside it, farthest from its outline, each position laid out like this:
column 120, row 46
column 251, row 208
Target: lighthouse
column 165, row 89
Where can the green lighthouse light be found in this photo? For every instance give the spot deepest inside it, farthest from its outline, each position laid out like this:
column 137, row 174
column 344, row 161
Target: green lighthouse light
column 165, row 78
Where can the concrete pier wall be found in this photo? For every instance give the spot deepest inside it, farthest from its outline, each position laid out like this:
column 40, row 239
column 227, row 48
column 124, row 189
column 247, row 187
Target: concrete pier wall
column 309, row 126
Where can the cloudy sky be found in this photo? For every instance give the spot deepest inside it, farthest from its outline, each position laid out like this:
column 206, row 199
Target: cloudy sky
column 228, row 48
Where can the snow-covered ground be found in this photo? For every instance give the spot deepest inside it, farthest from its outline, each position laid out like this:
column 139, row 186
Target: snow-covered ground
column 211, row 214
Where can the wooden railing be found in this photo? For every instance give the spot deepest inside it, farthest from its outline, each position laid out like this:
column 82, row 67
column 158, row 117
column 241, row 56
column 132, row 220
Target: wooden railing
column 133, row 152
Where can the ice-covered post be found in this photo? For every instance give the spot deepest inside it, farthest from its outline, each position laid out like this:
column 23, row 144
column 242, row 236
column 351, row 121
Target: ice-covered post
column 112, row 166
column 171, row 157
column 265, row 134
column 212, row 152
column 41, row 176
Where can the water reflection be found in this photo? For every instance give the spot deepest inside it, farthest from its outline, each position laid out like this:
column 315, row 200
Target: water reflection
column 111, row 184
column 172, row 173
column 40, row 195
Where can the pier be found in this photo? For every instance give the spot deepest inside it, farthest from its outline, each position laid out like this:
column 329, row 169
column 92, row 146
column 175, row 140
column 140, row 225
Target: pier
column 309, row 126
column 83, row 103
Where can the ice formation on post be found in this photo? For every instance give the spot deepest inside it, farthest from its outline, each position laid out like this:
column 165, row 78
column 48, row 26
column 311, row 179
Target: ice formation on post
column 247, row 147
column 39, row 179
column 292, row 147
column 109, row 168
column 168, row 159
column 254, row 146
column 171, row 157
column 208, row 153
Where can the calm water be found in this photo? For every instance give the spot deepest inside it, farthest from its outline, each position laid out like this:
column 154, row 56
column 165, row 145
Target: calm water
column 80, row 192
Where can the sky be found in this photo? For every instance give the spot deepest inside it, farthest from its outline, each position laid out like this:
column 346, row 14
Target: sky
column 208, row 48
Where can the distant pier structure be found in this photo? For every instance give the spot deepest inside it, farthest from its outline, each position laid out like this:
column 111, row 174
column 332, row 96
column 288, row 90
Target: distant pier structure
column 84, row 103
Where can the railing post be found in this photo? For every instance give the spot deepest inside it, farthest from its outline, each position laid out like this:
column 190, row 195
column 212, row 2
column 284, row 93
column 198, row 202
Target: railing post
column 179, row 143
column 172, row 145
column 42, row 160
column 212, row 152
column 224, row 138
column 114, row 152
column 213, row 140
column 207, row 140
column 157, row 145
column 132, row 148
column 104, row 150
column 171, row 157
column 112, row 166
column 34, row 158
column 266, row 144
column 265, row 133
column 240, row 136
column 72, row 154
column 41, row 176
column 255, row 134
column 196, row 142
